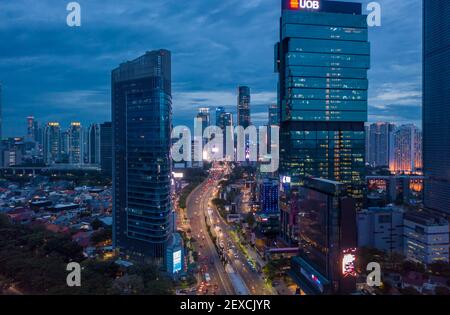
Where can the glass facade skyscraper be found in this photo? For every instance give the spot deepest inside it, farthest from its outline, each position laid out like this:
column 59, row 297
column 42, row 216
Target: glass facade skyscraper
column 52, row 143
column 94, row 144
column 75, row 143
column 322, row 59
column 142, row 120
column 379, row 143
column 327, row 239
column 106, row 146
column 436, row 104
column 243, row 112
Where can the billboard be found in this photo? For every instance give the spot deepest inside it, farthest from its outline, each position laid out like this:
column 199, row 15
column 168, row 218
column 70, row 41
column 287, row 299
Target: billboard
column 177, row 261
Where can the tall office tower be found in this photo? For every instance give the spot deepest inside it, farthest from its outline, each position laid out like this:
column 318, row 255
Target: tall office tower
column 85, row 145
column 94, row 144
column 31, row 129
column 76, row 143
column 406, row 150
column 367, row 141
column 142, row 120
column 64, row 154
column 328, row 239
column 1, row 112
column 379, row 143
column 268, row 196
column 106, row 148
column 52, row 143
column 273, row 115
column 436, row 100
column 225, row 120
column 322, row 59
column 204, row 116
column 243, row 110
column 219, row 111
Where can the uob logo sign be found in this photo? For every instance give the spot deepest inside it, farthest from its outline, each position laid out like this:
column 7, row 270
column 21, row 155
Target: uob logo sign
column 304, row 4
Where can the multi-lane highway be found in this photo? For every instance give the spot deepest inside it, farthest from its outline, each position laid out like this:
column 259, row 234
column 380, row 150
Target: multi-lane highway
column 209, row 261
column 199, row 207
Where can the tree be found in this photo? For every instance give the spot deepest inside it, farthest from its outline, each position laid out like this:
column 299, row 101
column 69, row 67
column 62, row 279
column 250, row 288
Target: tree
column 128, row 284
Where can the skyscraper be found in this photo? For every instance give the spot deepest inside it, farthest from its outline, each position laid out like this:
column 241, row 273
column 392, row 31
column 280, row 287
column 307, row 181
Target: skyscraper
column 328, row 239
column 64, row 145
column 52, row 143
column 268, row 196
column 223, row 120
column 76, row 143
column 322, row 59
column 31, row 129
column 436, row 100
column 142, row 119
column 219, row 111
column 406, row 150
column 205, row 117
column 94, row 144
column 380, row 143
column 243, row 110
column 1, row 112
column 273, row 115
column 106, row 148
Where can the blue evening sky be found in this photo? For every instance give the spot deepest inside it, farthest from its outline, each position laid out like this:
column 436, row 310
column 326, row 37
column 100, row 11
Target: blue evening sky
column 57, row 73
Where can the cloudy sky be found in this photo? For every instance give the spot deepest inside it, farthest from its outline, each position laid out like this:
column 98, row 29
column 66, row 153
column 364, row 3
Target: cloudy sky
column 59, row 73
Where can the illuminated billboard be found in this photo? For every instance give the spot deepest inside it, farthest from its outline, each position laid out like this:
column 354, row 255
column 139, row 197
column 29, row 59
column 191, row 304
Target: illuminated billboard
column 348, row 263
column 177, row 261
column 177, row 175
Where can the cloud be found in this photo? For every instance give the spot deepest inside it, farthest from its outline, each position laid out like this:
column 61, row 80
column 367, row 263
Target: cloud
column 48, row 68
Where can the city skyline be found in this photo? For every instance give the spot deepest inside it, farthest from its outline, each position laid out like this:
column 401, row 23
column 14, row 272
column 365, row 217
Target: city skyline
column 394, row 91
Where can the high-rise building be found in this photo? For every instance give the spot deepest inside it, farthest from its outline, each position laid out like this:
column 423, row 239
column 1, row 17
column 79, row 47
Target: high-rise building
column 243, row 108
column 273, row 115
column 106, row 148
column 406, row 150
column 76, row 143
column 268, row 196
column 436, row 100
column 11, row 152
column 322, row 60
column 219, row 112
column 426, row 238
column 1, row 112
column 142, row 120
column 65, row 149
column 223, row 120
column 381, row 228
column 31, row 129
column 327, row 239
column 52, row 143
column 94, row 144
column 379, row 143
column 205, row 117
